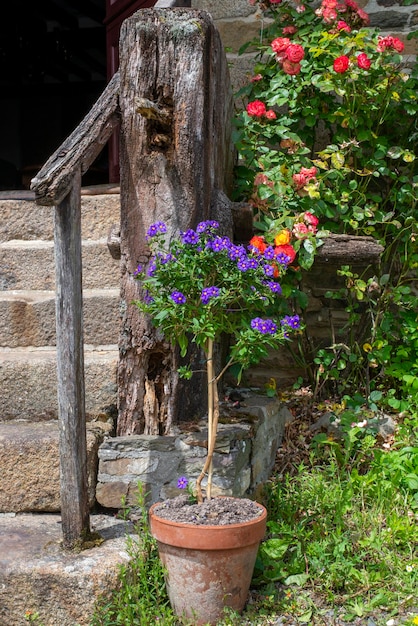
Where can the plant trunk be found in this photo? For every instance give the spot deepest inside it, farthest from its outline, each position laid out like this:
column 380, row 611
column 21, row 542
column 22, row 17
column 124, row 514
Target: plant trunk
column 213, row 418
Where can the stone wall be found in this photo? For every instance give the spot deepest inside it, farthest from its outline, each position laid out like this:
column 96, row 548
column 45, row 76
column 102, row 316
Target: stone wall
column 238, row 22
column 247, row 442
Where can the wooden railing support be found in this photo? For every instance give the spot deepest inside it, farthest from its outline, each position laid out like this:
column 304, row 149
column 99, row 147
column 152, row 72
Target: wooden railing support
column 70, row 368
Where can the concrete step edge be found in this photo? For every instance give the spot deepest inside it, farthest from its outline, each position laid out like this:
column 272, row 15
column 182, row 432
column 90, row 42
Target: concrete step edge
column 40, row 295
column 46, row 353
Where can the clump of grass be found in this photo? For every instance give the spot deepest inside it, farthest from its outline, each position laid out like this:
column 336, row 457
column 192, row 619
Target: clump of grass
column 344, row 527
column 140, row 598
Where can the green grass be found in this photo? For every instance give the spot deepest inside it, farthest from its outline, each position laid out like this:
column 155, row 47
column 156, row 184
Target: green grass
column 342, row 541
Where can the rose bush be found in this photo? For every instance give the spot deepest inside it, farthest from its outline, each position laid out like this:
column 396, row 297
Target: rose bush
column 340, row 140
column 340, row 144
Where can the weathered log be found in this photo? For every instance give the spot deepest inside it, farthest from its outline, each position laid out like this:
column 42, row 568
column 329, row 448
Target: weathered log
column 178, row 170
column 349, row 249
column 70, row 366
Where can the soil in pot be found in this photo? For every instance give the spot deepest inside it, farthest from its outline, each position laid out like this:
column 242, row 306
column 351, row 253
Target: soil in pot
column 214, row 512
column 209, row 552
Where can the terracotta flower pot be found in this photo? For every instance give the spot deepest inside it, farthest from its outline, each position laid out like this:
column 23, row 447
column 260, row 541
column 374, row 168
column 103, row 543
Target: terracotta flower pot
column 208, row 567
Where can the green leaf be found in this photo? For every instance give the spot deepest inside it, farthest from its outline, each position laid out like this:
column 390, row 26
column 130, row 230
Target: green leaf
column 297, row 579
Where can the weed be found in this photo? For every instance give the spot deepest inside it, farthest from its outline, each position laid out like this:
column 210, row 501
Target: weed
column 141, row 596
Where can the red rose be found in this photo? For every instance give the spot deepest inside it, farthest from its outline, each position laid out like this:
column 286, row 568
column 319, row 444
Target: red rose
column 341, row 25
column 363, row 61
column 291, row 68
column 341, row 64
column 289, row 30
column 256, row 108
column 295, row 52
column 280, row 44
column 310, row 219
column 271, row 115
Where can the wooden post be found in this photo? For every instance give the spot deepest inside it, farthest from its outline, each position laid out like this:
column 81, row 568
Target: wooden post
column 70, row 365
column 176, row 159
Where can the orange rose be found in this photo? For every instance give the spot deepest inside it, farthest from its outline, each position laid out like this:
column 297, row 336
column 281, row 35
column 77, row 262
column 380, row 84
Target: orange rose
column 282, row 237
column 258, row 243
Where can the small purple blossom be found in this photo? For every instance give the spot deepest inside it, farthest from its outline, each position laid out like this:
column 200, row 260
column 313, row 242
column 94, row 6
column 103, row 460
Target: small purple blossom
column 178, row 297
column 243, row 265
column 147, row 297
column 190, row 237
column 264, row 326
column 167, row 258
column 274, row 287
column 138, row 270
column 152, row 267
column 236, row 252
column 156, row 229
column 208, row 293
column 208, row 225
column 182, row 482
column 218, row 243
column 293, row 321
column 269, row 253
column 268, row 270
column 252, row 263
column 282, row 258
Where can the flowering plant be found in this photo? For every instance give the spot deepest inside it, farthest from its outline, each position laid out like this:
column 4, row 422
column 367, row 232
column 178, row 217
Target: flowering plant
column 330, row 124
column 201, row 285
column 329, row 127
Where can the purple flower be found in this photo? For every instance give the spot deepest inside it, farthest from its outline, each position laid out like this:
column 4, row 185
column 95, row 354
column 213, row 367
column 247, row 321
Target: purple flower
column 182, row 482
column 268, row 270
column 274, row 287
column 166, row 258
column 283, row 259
column 208, row 293
column 243, row 265
column 208, row 225
column 236, row 252
column 190, row 237
column 138, row 270
column 152, row 267
column 147, row 297
column 291, row 320
column 218, row 243
column 156, row 229
column 264, row 326
column 252, row 263
column 269, row 253
column 178, row 297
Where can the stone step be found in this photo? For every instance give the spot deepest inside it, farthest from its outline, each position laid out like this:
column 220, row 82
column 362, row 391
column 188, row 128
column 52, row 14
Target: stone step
column 22, row 218
column 28, row 382
column 38, row 577
column 31, row 265
column 31, row 465
column 27, row 318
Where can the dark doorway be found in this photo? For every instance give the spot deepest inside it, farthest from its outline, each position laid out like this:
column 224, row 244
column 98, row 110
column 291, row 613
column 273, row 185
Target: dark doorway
column 54, row 58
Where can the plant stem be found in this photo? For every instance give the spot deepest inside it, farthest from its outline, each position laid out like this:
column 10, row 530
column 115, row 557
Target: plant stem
column 213, row 417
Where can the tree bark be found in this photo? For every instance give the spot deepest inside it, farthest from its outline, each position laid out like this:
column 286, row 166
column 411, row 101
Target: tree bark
column 176, row 166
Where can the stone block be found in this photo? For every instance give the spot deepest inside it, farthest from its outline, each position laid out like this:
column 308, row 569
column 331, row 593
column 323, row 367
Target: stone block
column 31, row 265
column 30, row 465
column 38, row 576
column 28, row 382
column 27, row 318
column 26, row 220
